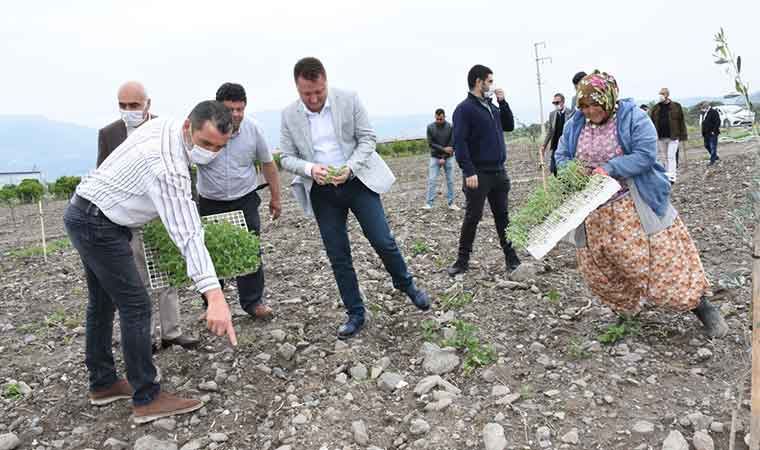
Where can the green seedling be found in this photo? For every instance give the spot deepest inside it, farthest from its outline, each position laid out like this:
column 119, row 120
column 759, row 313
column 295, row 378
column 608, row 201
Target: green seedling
column 419, row 247
column 334, row 172
column 12, row 391
column 615, row 333
column 457, row 301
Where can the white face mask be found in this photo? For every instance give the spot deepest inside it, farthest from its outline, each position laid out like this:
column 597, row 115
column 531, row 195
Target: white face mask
column 199, row 155
column 487, row 91
column 662, row 98
column 559, row 107
column 132, row 118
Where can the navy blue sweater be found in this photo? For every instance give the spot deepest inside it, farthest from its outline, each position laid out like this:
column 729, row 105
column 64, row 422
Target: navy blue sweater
column 479, row 135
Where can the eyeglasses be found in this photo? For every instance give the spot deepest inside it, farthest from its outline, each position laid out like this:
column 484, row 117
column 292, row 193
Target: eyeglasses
column 556, row 103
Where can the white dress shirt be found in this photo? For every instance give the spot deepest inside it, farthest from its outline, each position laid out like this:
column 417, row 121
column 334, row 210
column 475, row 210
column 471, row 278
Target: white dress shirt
column 147, row 177
column 327, row 151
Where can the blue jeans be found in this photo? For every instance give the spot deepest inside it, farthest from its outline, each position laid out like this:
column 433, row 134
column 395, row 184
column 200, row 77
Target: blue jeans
column 711, row 145
column 113, row 283
column 433, row 170
column 331, row 205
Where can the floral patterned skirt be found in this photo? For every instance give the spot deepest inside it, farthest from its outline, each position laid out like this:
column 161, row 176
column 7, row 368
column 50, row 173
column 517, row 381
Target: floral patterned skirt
column 623, row 266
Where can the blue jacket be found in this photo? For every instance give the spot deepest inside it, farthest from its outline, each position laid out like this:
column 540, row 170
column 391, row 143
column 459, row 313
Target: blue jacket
column 638, row 139
column 479, row 135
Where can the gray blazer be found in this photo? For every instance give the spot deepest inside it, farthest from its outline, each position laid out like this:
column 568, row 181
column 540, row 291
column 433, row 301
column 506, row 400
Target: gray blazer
column 553, row 122
column 355, row 137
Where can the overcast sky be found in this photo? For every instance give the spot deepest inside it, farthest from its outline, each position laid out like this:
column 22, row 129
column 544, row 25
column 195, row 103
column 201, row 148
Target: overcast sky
column 65, row 59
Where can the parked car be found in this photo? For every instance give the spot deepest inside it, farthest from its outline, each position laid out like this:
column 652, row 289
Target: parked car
column 735, row 115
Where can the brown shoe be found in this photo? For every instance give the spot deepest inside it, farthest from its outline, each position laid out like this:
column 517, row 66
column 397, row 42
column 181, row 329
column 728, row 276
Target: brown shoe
column 118, row 391
column 165, row 405
column 262, row 311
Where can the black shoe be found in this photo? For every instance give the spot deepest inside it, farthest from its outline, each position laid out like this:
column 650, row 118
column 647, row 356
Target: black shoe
column 711, row 163
column 186, row 342
column 512, row 260
column 420, row 298
column 350, row 328
column 458, row 268
column 714, row 325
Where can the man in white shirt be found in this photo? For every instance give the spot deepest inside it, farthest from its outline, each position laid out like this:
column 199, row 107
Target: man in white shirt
column 229, row 183
column 134, row 106
column 146, row 177
column 323, row 131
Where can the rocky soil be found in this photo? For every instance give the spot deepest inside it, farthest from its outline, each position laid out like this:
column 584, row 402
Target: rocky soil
column 549, row 383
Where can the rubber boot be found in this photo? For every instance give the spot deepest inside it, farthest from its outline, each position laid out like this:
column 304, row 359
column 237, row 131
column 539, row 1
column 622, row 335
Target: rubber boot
column 709, row 315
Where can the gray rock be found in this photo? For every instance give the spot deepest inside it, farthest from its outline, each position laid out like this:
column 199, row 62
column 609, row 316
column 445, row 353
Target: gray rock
column 438, row 360
column 427, row 384
column 699, row 421
column 493, row 437
column 359, row 372
column 195, row 444
column 439, row 405
column 508, row 399
column 218, row 437
column 285, row 447
column 552, row 393
column 499, row 390
column 537, row 347
column 209, row 386
column 488, row 375
column 287, row 351
column 361, row 436
column 717, row 427
column 379, row 367
column 704, row 354
column 543, row 434
column 418, row 427
column 675, row 441
column 115, row 444
column 341, row 346
column 278, row 335
column 300, row 419
column 390, row 381
column 643, row 427
column 702, row 441
column 166, row 424
column 571, row 437
column 524, row 272
column 153, row 443
column 9, row 441
column 341, row 378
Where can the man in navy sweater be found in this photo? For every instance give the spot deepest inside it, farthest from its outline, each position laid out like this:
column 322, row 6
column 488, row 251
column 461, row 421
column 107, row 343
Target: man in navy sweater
column 479, row 127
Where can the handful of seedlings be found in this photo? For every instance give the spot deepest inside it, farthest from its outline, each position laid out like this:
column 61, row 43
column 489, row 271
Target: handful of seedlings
column 333, row 172
column 234, row 251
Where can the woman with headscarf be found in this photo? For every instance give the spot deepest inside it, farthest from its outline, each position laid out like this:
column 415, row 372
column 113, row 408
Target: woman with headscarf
column 635, row 246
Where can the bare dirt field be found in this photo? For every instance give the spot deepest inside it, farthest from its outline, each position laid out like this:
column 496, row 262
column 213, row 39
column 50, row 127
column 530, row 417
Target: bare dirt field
column 291, row 385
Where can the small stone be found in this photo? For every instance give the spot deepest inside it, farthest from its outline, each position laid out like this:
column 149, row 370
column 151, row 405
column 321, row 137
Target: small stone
column 218, row 437
column 151, row 443
column 427, row 384
column 115, row 444
column 418, row 427
column 166, row 424
column 608, row 399
column 341, row 346
column 278, row 335
column 571, row 437
column 552, row 393
column 488, row 375
column 439, row 405
column 699, row 421
column 509, row 399
column 543, row 434
column 704, row 354
column 439, row 361
column 287, row 351
column 524, row 272
column 499, row 390
column 341, row 378
column 300, row 419
column 390, row 381
column 9, row 441
column 537, row 347
column 195, row 444
column 360, row 432
column 493, row 437
column 209, row 386
column 79, row 430
column 359, row 372
column 264, row 357
column 717, row 427
column 675, row 441
column 643, row 427
column 702, row 441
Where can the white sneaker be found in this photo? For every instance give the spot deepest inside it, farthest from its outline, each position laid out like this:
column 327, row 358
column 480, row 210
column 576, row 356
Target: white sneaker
column 454, row 207
column 427, row 206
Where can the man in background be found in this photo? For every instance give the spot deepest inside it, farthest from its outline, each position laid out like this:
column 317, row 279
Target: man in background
column 576, row 79
column 441, row 142
column 710, row 130
column 134, row 106
column 557, row 118
column 230, row 181
column 670, row 122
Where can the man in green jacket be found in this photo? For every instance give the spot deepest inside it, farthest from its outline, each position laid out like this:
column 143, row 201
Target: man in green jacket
column 670, row 121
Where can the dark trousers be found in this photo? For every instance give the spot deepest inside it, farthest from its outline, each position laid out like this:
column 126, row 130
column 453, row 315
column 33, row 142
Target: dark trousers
column 331, row 205
column 113, row 282
column 251, row 286
column 711, row 145
column 493, row 186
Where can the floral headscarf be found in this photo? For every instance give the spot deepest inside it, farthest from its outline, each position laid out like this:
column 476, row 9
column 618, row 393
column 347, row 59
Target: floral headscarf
column 598, row 88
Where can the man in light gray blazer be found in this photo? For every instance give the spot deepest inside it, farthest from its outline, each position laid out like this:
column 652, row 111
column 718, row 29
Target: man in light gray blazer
column 327, row 141
column 557, row 119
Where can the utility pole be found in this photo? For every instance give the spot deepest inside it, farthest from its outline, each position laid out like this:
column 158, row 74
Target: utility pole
column 540, row 60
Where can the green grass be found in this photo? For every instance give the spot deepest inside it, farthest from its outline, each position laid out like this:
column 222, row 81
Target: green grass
column 52, row 247
column 553, row 296
column 476, row 354
column 430, row 329
column 419, row 247
column 457, row 301
column 12, row 391
column 576, row 351
column 615, row 333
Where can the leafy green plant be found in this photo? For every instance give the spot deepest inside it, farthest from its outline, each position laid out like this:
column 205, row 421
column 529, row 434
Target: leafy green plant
column 615, row 333
column 333, row 172
column 12, row 391
column 430, row 329
column 419, row 247
column 457, row 300
column 234, row 251
column 570, row 179
column 553, row 296
column 52, row 247
column 465, row 338
column 576, row 351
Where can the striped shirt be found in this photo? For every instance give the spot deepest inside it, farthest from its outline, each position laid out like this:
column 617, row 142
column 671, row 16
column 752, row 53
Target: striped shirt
column 146, row 177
